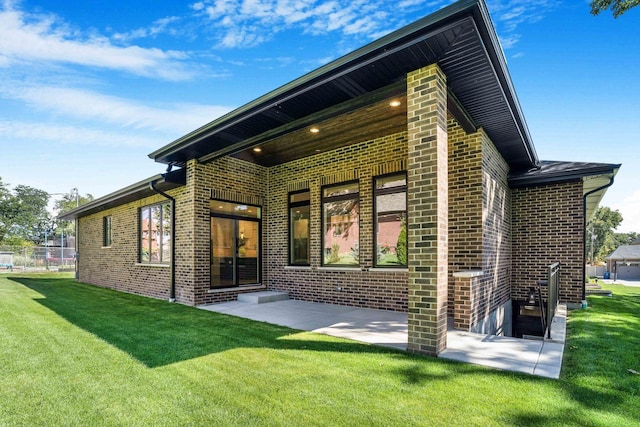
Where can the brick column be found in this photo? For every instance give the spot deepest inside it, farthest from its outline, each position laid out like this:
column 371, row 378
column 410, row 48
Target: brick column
column 428, row 209
column 464, row 301
column 192, row 238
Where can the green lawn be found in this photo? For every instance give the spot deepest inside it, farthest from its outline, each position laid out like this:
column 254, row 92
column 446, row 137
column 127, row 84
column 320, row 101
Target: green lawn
column 73, row 354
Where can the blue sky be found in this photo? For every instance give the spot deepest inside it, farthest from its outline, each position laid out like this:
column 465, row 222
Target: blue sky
column 89, row 88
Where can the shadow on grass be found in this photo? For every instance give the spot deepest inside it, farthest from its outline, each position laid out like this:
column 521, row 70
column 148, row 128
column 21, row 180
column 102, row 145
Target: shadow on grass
column 603, row 343
column 158, row 333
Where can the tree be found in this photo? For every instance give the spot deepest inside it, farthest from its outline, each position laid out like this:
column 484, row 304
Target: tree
column 601, row 239
column 621, row 239
column 23, row 213
column 618, row 7
column 69, row 201
column 5, row 209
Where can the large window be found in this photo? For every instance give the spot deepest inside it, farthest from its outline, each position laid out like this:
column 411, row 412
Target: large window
column 299, row 230
column 106, row 231
column 155, row 234
column 390, row 192
column 235, row 244
column 341, row 227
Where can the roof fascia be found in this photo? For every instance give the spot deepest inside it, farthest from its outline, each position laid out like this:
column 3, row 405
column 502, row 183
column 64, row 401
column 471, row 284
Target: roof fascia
column 555, row 178
column 499, row 63
column 172, row 179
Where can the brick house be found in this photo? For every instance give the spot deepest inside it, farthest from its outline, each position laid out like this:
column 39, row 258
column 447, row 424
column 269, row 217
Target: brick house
column 401, row 176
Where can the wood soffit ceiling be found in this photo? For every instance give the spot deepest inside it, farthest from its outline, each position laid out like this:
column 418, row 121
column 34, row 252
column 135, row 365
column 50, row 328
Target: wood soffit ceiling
column 372, row 121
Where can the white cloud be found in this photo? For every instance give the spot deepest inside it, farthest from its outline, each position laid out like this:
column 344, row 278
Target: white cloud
column 511, row 13
column 509, row 41
column 410, row 3
column 159, row 26
column 110, row 110
column 11, row 132
column 246, row 23
column 45, row 39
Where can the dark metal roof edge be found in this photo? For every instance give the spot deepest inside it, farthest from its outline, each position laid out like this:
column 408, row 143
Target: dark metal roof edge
column 439, row 17
column 113, row 198
column 519, row 181
column 499, row 62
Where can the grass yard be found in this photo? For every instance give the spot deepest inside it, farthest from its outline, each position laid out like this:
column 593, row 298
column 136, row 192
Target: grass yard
column 73, row 354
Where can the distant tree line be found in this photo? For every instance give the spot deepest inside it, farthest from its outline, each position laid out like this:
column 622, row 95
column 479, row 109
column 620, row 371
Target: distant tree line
column 25, row 219
column 602, row 238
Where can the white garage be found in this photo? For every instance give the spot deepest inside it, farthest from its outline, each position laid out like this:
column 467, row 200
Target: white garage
column 624, row 262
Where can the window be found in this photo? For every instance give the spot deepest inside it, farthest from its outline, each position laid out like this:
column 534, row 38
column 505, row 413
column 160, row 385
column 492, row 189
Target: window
column 106, row 231
column 155, row 234
column 390, row 193
column 299, row 228
column 341, row 224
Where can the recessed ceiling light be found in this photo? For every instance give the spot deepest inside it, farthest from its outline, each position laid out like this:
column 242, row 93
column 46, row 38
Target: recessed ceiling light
column 257, row 149
column 314, row 130
column 395, row 103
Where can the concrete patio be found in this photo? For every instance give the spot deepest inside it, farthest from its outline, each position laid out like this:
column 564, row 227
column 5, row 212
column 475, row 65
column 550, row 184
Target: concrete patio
column 388, row 328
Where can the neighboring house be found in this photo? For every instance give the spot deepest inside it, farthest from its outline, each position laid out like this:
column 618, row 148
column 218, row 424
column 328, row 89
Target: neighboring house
column 624, row 262
column 401, row 176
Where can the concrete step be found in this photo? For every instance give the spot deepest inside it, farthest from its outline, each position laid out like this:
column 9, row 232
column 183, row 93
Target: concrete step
column 263, row 296
column 603, row 292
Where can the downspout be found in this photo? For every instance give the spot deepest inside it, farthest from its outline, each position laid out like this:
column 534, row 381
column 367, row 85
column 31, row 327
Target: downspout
column 172, row 270
column 77, row 248
column 584, row 222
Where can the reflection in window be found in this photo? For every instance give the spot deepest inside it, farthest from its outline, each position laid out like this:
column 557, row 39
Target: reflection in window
column 155, row 234
column 299, row 228
column 341, row 224
column 390, row 194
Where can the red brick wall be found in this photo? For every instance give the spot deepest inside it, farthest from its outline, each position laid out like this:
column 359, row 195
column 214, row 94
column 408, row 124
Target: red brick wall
column 465, row 201
column 361, row 286
column 227, row 179
column 479, row 220
column 495, row 284
column 548, row 227
column 428, row 210
column 116, row 266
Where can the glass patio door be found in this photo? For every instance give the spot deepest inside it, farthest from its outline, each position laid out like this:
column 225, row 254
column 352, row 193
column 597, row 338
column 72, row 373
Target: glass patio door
column 222, row 252
column 247, row 250
column 235, row 245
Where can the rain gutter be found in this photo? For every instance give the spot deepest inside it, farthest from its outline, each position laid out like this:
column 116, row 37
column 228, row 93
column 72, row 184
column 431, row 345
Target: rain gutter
column 584, row 240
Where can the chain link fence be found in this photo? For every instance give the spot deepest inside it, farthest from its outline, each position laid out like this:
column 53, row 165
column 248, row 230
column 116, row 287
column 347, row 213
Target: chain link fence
column 37, row 258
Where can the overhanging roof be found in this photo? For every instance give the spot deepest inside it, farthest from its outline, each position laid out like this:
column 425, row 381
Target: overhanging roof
column 459, row 38
column 137, row 191
column 596, row 178
column 626, row 252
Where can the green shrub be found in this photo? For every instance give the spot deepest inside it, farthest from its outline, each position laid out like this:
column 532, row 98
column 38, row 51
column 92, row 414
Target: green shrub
column 334, row 258
column 401, row 245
